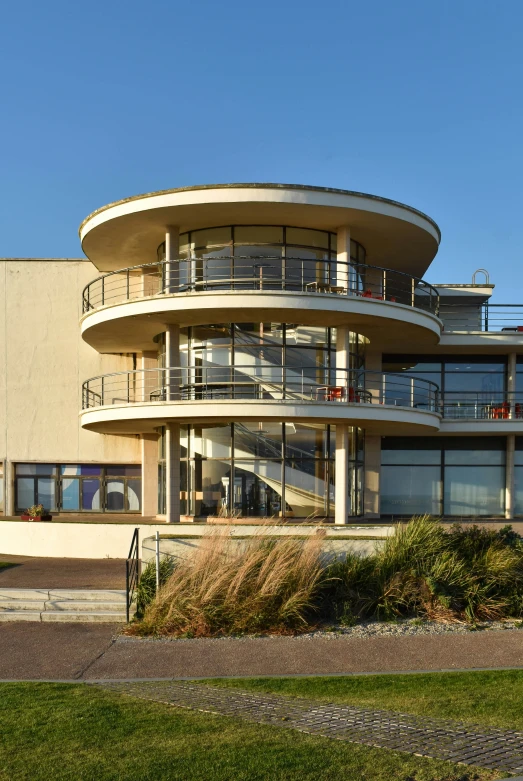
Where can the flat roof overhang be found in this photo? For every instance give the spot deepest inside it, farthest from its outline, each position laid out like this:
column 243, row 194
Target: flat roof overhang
column 128, row 232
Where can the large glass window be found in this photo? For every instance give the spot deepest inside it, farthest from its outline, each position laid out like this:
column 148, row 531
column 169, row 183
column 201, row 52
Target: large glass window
column 257, row 469
column 79, row 487
column 454, row 477
column 260, row 257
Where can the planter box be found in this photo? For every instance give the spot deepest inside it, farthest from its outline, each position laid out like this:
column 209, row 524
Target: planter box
column 36, row 518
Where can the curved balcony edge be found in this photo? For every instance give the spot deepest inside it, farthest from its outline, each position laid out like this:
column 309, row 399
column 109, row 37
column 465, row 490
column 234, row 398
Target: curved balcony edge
column 147, row 416
column 254, row 392
column 132, row 325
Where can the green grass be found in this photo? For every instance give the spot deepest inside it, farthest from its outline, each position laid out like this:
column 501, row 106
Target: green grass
column 6, row 564
column 64, row 732
column 493, row 698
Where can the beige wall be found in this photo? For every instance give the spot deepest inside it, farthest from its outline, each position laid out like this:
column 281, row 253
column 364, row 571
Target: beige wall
column 43, row 362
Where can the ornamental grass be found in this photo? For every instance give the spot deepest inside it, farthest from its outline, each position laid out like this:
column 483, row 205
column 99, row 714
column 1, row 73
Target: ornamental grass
column 286, row 585
column 230, row 586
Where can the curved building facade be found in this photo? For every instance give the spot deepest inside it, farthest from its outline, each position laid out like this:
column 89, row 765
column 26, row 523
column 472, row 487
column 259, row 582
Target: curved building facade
column 259, row 314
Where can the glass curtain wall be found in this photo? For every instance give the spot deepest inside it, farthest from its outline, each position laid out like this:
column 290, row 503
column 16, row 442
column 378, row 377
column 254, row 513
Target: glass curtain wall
column 258, row 469
column 518, row 474
column 470, row 386
column 261, row 256
column 447, row 476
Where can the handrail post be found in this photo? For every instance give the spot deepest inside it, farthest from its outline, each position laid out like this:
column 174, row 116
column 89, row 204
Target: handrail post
column 102, row 394
column 128, row 284
column 413, row 286
column 486, row 315
column 103, row 291
column 384, row 285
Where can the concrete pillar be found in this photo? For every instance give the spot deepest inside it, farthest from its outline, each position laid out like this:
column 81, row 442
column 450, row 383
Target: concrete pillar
column 511, row 381
column 172, row 469
column 172, row 362
column 341, row 457
column 149, row 448
column 372, row 466
column 341, row 464
column 9, row 483
column 509, row 477
column 343, row 257
column 172, row 251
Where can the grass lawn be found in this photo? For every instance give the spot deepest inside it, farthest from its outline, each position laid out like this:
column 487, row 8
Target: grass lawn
column 58, row 731
column 493, row 698
column 6, row 564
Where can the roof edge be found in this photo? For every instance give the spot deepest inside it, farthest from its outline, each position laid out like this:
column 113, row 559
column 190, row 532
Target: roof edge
column 261, row 185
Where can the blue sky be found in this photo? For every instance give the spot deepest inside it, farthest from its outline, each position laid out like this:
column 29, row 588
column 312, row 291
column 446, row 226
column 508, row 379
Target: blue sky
column 413, row 100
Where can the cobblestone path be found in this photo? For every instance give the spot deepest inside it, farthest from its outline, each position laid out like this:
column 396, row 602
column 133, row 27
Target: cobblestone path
column 436, row 738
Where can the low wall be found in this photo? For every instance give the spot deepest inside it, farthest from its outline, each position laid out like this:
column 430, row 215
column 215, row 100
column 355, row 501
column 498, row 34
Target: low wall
column 178, row 548
column 112, row 540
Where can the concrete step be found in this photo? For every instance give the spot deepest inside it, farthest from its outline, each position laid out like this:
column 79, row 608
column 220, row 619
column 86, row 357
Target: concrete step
column 36, row 594
column 102, row 605
column 101, row 616
column 22, row 604
column 83, row 606
column 19, row 615
column 101, row 595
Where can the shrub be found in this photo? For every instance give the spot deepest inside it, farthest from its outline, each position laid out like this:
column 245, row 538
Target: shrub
column 146, row 589
column 233, row 587
column 468, row 573
column 282, row 584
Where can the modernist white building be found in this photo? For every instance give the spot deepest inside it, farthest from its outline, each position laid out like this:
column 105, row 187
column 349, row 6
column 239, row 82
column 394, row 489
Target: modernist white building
column 258, row 351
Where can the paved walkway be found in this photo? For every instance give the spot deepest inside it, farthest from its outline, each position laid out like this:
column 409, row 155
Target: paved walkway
column 36, row 651
column 453, row 741
column 49, row 573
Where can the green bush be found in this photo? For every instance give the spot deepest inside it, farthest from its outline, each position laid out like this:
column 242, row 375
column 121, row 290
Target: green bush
column 269, row 584
column 146, row 589
column 468, row 573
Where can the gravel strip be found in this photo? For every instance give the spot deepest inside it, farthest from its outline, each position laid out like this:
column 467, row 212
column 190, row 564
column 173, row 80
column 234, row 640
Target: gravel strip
column 402, row 628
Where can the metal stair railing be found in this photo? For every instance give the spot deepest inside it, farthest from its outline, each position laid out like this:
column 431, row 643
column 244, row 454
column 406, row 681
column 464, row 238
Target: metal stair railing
column 132, row 572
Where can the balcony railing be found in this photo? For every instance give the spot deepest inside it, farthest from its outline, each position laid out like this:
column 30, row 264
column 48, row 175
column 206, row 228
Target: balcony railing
column 303, row 275
column 269, row 383
column 482, row 405
column 500, row 318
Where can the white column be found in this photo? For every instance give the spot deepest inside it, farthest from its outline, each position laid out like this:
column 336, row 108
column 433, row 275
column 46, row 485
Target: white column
column 172, row 362
column 172, row 477
column 343, row 257
column 511, row 381
column 149, row 448
column 172, row 250
column 341, row 457
column 509, row 477
column 172, row 430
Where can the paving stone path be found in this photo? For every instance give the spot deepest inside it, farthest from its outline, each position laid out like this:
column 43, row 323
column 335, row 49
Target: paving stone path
column 436, row 738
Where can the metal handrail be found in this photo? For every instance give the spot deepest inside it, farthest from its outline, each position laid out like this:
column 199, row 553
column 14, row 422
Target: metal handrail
column 485, row 317
column 482, row 405
column 242, row 272
column 132, row 572
column 278, row 383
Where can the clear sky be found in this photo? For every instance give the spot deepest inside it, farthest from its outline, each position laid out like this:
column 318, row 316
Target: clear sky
column 415, row 100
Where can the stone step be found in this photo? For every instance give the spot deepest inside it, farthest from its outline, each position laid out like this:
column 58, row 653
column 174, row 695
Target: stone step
column 83, row 606
column 105, row 616
column 20, row 615
column 22, row 604
column 37, row 594
column 102, row 595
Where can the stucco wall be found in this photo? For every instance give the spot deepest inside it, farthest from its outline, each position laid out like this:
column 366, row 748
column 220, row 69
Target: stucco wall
column 43, row 362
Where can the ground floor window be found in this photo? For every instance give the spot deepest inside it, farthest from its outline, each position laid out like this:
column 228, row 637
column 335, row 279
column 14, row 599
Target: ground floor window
column 79, row 487
column 447, row 476
column 262, row 470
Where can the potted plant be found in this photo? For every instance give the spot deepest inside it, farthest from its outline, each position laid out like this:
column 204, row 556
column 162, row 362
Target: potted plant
column 36, row 513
